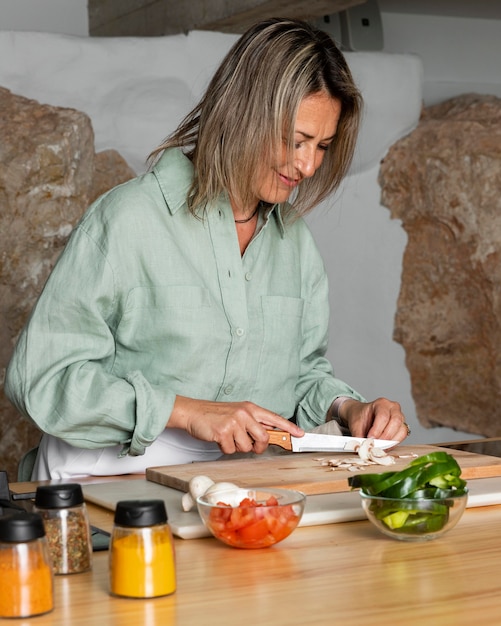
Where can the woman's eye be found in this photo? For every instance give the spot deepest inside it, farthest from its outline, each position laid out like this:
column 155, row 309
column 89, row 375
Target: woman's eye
column 323, row 147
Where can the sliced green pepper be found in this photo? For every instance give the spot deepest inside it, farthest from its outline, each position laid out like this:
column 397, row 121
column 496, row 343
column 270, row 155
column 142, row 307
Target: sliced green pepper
column 431, row 476
column 437, row 470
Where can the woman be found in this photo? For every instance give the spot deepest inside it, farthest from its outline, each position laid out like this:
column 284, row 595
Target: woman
column 188, row 312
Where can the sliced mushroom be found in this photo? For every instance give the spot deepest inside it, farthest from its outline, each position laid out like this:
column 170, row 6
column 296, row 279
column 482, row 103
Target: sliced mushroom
column 364, row 449
column 368, row 454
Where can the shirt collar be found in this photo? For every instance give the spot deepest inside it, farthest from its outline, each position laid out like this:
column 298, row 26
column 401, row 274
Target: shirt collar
column 174, row 173
column 275, row 212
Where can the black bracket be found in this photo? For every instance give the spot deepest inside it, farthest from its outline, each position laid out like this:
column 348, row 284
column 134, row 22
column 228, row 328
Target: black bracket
column 5, row 496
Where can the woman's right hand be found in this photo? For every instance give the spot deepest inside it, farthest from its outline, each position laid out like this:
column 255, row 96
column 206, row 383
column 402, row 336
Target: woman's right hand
column 234, row 426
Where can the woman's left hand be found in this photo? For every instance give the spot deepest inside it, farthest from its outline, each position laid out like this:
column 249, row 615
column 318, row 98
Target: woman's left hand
column 381, row 419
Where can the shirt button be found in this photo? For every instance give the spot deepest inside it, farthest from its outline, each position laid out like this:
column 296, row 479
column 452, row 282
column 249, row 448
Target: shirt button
column 248, row 276
column 239, row 332
column 228, row 390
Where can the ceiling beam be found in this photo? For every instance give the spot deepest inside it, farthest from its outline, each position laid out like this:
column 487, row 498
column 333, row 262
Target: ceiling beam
column 143, row 18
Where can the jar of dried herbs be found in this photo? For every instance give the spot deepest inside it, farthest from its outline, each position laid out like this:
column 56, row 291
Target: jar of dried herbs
column 66, row 522
column 26, row 585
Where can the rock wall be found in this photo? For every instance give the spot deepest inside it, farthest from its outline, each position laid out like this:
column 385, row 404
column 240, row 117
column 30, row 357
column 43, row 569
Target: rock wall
column 443, row 181
column 49, row 174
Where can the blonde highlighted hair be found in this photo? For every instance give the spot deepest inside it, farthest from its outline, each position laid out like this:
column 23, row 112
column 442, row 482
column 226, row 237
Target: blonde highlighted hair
column 250, row 107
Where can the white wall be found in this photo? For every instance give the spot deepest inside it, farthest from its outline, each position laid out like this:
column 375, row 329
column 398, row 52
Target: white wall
column 459, row 55
column 48, row 16
column 362, row 246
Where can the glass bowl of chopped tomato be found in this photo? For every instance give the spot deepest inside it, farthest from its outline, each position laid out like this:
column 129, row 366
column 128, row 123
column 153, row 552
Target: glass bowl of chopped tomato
column 251, row 518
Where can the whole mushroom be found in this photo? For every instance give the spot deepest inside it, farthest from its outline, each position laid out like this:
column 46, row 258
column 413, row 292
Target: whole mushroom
column 197, row 487
column 200, row 485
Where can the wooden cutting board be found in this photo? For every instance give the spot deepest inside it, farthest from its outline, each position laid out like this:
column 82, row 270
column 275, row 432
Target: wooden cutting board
column 303, row 471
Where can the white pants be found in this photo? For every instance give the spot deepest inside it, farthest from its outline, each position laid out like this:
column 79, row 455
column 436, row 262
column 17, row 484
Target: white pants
column 58, row 459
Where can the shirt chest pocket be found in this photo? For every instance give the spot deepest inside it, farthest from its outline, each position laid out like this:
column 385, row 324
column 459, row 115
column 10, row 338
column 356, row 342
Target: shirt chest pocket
column 177, row 316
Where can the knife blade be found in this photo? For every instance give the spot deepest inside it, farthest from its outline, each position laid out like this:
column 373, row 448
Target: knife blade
column 313, row 442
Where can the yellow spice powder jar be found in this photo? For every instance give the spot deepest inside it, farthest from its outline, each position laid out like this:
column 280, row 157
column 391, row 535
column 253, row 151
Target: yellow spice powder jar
column 142, row 557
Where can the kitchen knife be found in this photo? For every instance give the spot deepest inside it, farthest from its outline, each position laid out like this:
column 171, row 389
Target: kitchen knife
column 313, row 442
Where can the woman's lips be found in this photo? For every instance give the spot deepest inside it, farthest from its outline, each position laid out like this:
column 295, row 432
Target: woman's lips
column 288, row 182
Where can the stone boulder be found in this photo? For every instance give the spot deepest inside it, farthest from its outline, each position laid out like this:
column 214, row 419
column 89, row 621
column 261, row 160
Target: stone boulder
column 443, row 181
column 49, row 174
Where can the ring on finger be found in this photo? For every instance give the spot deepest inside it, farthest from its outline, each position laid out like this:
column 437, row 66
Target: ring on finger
column 408, row 428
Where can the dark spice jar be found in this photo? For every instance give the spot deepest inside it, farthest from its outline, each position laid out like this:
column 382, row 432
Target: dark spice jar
column 64, row 515
column 26, row 585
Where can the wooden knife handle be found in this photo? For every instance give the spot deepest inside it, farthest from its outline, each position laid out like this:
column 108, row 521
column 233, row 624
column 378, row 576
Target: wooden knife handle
column 280, row 438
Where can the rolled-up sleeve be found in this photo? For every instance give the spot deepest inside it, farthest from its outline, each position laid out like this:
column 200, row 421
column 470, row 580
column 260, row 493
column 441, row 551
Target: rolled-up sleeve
column 63, row 374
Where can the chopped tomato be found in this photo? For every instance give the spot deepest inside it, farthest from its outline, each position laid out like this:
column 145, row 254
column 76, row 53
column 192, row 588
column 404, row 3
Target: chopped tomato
column 249, row 502
column 253, row 524
column 256, row 531
column 241, row 517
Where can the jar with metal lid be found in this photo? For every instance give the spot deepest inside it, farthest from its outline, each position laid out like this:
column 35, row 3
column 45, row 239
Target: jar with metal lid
column 66, row 522
column 26, row 583
column 142, row 556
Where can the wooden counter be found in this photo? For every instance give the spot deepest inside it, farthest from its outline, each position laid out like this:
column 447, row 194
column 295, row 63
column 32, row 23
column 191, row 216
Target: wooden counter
column 342, row 574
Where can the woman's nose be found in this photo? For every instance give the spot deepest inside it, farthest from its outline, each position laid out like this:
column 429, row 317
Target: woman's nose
column 306, row 163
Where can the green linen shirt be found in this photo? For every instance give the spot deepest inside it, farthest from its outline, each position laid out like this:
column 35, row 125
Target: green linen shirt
column 147, row 302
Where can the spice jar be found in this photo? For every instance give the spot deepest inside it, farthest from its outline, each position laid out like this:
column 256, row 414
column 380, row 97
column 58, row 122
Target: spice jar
column 142, row 557
column 26, row 586
column 64, row 515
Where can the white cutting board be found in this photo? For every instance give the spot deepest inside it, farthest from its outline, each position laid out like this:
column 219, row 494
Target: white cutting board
column 320, row 509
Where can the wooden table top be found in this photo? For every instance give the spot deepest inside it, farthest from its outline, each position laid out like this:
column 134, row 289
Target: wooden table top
column 345, row 573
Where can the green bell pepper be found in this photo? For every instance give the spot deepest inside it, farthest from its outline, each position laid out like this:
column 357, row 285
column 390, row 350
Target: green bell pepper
column 434, row 476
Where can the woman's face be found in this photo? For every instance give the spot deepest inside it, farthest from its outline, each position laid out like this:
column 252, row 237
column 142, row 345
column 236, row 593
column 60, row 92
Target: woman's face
column 315, row 128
